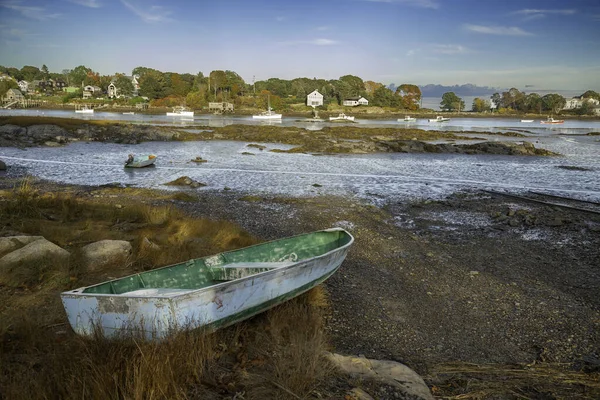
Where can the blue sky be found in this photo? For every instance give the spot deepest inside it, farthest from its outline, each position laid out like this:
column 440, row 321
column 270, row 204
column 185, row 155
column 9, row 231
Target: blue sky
column 549, row 44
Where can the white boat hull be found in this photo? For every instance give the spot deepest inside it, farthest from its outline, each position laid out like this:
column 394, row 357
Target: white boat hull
column 341, row 119
column 181, row 114
column 84, row 111
column 267, row 117
column 157, row 315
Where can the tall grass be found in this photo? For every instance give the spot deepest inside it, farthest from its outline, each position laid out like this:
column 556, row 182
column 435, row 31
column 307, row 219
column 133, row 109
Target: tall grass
column 275, row 355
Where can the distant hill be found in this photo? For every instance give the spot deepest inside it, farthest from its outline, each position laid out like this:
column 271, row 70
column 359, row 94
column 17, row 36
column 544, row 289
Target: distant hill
column 467, row 89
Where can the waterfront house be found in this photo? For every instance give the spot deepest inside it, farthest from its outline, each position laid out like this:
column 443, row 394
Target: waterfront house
column 314, row 99
column 89, row 91
column 112, row 90
column 356, row 101
column 24, row 86
column 220, row 107
column 13, row 95
column 577, row 102
column 60, row 84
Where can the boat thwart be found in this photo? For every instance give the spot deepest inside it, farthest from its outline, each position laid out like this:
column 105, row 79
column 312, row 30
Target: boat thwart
column 210, row 292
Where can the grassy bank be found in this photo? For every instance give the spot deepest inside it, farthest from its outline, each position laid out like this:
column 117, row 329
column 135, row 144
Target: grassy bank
column 275, row 355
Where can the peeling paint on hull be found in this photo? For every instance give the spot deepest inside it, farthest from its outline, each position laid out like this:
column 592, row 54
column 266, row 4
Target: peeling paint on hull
column 242, row 289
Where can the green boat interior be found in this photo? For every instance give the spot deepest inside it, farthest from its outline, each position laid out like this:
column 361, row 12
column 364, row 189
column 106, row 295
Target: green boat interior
column 208, row 271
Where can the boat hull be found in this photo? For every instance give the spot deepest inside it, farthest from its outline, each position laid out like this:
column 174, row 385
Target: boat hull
column 84, row 111
column 212, row 307
column 181, row 114
column 141, row 162
column 267, row 117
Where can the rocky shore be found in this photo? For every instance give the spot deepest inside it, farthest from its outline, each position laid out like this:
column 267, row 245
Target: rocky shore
column 329, row 140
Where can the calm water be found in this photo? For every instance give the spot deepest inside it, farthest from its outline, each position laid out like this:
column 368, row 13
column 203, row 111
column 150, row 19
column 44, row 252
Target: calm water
column 455, row 124
column 375, row 177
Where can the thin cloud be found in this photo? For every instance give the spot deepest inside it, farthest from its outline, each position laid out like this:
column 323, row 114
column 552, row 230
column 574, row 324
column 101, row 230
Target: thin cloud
column 415, row 3
column 530, row 11
column 449, row 49
column 37, row 13
column 314, row 42
column 87, row 3
column 153, row 14
column 498, row 30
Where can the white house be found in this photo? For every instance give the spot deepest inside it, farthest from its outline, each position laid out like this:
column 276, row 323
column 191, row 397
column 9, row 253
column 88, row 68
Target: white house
column 112, row 88
column 356, row 101
column 111, row 91
column 314, row 99
column 577, row 102
column 89, row 90
column 24, row 86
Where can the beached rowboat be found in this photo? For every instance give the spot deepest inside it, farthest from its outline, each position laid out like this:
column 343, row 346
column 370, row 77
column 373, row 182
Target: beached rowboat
column 140, row 161
column 210, row 292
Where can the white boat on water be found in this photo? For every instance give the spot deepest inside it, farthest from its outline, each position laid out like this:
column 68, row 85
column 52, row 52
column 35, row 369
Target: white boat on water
column 439, row 118
column 85, row 110
column 210, row 292
column 407, row 119
column 526, row 120
column 129, row 113
column 269, row 114
column 551, row 120
column 180, row 112
column 342, row 117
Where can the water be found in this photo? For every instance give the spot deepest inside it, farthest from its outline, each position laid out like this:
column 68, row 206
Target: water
column 375, row 177
column 455, row 124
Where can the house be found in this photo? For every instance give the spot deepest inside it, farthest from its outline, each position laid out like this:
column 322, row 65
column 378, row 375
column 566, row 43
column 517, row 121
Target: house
column 597, row 110
column 356, row 101
column 60, row 84
column 220, row 107
column 577, row 102
column 89, row 91
column 112, row 88
column 34, row 85
column 13, row 95
column 314, row 99
column 24, row 86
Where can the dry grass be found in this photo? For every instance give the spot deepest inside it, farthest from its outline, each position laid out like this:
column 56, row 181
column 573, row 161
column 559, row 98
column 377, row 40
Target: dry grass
column 275, row 355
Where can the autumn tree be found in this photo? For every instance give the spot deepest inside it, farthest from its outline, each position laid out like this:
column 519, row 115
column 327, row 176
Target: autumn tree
column 371, row 86
column 410, row 96
column 451, row 102
column 480, row 105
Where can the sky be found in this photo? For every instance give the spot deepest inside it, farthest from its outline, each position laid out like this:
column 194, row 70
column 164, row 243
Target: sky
column 548, row 44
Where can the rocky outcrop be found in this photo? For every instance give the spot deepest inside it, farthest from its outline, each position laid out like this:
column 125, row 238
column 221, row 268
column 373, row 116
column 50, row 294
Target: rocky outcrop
column 38, row 251
column 500, row 148
column 185, row 181
column 98, row 255
column 405, row 382
column 12, row 243
column 2, row 166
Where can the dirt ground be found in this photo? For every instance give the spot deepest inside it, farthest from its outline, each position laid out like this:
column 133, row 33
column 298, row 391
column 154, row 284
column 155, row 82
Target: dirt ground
column 474, row 278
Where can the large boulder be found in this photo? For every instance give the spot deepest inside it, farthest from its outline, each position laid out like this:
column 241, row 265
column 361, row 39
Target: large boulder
column 104, row 253
column 38, row 252
column 12, row 243
column 12, row 131
column 44, row 132
column 406, row 381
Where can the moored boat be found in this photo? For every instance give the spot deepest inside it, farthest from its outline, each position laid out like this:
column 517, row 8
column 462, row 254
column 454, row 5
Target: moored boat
column 140, row 161
column 551, row 120
column 407, row 118
column 526, row 120
column 180, row 111
column 342, row 117
column 439, row 118
column 85, row 110
column 209, row 292
column 129, row 113
column 269, row 114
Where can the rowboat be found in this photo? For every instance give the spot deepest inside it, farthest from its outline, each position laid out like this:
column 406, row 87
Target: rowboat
column 140, row 161
column 551, row 120
column 342, row 117
column 439, row 118
column 210, row 292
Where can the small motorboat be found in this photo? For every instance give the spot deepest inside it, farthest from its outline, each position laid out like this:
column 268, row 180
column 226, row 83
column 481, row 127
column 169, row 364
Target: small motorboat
column 210, row 292
column 140, row 161
column 342, row 117
column 551, row 120
column 180, row 112
column 439, row 118
column 129, row 113
column 407, row 119
column 84, row 110
column 526, row 120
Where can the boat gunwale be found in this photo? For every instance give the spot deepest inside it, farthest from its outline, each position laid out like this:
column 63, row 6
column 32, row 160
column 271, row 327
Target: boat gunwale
column 76, row 293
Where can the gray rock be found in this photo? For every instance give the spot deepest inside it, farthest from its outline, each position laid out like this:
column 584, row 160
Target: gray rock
column 12, row 131
column 389, row 372
column 2, row 166
column 105, row 253
column 45, row 132
column 40, row 251
column 12, row 243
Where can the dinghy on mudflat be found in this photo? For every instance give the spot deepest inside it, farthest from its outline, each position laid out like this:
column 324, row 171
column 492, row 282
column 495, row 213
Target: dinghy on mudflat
column 210, row 292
